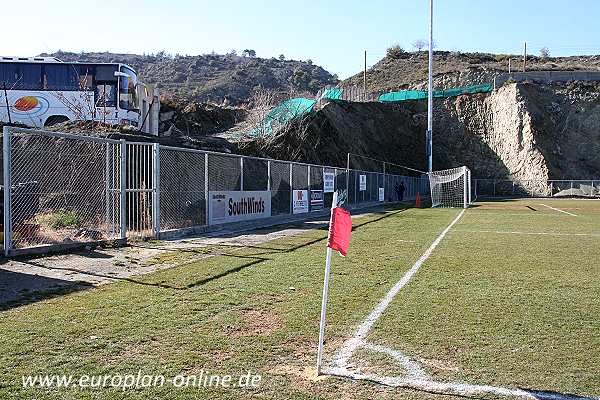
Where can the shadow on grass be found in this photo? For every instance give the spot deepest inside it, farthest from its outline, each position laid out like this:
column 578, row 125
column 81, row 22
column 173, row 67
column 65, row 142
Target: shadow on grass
column 257, row 258
column 18, row 288
column 31, row 288
column 551, row 395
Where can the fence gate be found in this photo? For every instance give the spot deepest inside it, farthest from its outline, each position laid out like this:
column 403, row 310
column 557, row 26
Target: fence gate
column 141, row 190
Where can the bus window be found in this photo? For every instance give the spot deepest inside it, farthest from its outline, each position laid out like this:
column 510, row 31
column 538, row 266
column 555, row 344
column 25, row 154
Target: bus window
column 21, row 76
column 60, row 77
column 105, row 95
column 128, row 90
column 86, row 77
column 106, row 73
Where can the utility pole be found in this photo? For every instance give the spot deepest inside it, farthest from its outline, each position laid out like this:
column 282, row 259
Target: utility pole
column 365, row 79
column 429, row 137
column 525, row 57
column 509, row 60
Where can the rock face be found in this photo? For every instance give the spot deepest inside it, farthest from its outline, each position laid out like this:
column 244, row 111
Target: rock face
column 525, row 132
column 537, row 132
column 502, row 124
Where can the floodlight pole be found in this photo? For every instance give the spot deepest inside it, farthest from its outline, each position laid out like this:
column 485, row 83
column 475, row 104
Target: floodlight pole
column 429, row 137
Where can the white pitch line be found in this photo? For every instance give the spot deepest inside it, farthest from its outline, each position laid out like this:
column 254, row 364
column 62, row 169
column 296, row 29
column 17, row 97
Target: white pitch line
column 558, row 209
column 429, row 385
column 414, row 369
column 521, row 214
column 532, row 233
column 361, row 332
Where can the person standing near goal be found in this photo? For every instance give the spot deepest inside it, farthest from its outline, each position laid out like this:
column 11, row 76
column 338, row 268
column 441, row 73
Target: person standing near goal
column 400, row 191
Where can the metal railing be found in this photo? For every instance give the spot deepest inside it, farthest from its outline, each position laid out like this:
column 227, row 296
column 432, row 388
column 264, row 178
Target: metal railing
column 70, row 189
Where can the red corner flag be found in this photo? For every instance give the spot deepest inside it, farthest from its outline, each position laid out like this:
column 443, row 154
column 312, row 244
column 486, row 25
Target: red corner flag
column 340, row 229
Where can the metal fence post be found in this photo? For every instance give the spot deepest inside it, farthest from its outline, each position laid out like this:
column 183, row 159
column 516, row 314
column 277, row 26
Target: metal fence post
column 107, row 184
column 384, row 185
column 123, row 188
column 268, row 175
column 465, row 177
column 291, row 189
column 156, row 191
column 6, row 154
column 242, row 173
column 308, row 181
column 206, row 187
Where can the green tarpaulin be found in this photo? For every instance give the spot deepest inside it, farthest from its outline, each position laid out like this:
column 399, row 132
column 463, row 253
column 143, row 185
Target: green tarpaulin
column 404, row 95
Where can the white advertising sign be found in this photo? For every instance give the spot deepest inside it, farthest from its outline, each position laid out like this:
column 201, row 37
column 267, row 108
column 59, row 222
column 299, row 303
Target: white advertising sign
column 300, row 201
column 381, row 194
column 235, row 206
column 316, row 200
column 328, row 182
column 363, row 183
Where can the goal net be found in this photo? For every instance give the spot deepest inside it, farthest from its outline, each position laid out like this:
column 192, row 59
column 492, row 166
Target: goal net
column 450, row 187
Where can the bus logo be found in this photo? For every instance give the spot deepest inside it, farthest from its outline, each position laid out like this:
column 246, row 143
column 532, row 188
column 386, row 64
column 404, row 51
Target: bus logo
column 26, row 103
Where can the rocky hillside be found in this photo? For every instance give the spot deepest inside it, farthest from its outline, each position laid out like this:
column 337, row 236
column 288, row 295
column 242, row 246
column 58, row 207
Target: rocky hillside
column 214, row 77
column 521, row 131
column 408, row 70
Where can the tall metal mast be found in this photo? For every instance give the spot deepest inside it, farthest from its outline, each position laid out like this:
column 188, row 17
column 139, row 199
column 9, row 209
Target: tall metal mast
column 429, row 138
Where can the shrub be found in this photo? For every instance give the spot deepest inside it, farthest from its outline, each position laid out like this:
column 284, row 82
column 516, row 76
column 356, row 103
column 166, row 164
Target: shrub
column 60, row 219
column 396, row 51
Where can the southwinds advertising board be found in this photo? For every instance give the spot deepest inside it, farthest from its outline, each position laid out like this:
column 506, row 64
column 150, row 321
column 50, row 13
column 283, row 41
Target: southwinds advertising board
column 235, row 206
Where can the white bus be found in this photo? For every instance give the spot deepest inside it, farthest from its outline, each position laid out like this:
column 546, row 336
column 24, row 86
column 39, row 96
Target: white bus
column 43, row 91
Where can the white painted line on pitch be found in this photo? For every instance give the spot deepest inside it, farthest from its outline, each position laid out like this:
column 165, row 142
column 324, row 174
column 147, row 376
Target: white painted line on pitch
column 490, row 213
column 364, row 328
column 429, row 385
column 558, row 209
column 531, row 233
column 414, row 369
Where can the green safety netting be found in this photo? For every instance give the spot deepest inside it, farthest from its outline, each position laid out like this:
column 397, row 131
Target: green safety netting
column 284, row 112
column 293, row 108
column 332, row 94
column 404, row 95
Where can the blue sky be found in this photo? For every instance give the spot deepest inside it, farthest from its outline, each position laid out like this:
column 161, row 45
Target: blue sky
column 332, row 33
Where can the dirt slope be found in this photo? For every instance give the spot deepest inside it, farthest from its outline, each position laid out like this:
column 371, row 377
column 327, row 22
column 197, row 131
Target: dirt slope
column 408, row 70
column 520, row 131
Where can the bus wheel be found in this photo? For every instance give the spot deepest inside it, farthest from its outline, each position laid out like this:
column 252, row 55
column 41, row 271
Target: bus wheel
column 56, row 119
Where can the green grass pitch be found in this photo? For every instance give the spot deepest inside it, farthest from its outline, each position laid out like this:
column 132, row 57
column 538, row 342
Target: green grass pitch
column 510, row 298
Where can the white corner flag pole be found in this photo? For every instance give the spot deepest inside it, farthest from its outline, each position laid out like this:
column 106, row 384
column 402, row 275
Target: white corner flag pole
column 325, row 293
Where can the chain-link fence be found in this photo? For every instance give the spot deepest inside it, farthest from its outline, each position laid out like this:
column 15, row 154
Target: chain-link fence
column 60, row 189
column 535, row 188
column 72, row 189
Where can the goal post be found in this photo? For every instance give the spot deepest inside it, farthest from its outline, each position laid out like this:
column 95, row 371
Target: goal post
column 450, row 188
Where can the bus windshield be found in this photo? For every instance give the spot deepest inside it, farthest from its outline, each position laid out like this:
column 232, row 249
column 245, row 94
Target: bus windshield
column 128, row 90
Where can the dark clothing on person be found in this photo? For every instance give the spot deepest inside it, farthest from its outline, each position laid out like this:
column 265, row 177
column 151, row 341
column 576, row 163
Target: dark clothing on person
column 401, row 190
